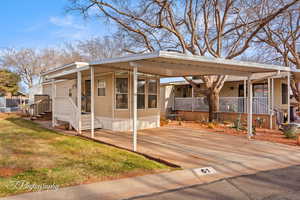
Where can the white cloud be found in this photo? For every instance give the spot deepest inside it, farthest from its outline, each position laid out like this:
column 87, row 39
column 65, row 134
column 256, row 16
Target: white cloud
column 69, row 28
column 66, row 21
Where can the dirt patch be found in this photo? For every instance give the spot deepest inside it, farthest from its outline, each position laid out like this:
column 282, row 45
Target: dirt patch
column 7, row 172
column 261, row 134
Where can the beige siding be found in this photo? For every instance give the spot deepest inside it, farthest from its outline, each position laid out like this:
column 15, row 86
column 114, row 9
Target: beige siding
column 47, row 89
column 62, row 88
column 103, row 104
column 230, row 89
column 166, row 99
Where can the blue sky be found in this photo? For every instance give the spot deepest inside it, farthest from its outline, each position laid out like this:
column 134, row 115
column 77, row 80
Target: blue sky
column 36, row 23
column 44, row 23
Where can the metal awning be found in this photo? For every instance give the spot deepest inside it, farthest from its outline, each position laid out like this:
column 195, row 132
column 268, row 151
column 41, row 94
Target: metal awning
column 170, row 64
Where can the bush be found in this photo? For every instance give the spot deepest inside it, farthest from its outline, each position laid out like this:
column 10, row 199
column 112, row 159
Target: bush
column 290, row 130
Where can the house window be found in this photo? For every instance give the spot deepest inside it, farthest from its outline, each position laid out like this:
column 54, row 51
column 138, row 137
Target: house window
column 101, row 85
column 122, row 93
column 284, row 93
column 152, row 93
column 141, row 94
column 260, row 90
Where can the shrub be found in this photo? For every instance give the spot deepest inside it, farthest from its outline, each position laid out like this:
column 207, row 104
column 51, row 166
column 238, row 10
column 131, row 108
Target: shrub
column 290, row 130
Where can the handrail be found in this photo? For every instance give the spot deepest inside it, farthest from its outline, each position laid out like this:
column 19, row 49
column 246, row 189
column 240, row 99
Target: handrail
column 70, row 114
column 40, row 106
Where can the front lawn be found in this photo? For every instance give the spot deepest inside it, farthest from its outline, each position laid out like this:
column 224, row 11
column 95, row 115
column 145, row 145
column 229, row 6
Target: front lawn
column 30, row 154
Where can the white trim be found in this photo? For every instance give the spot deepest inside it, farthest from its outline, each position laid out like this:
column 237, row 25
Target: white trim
column 69, row 72
column 77, row 64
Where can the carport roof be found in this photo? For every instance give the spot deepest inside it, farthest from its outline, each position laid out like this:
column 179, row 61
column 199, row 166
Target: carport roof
column 171, row 64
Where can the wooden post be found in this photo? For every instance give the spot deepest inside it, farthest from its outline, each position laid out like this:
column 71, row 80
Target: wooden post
column 92, row 102
column 134, row 107
column 249, row 102
column 79, row 101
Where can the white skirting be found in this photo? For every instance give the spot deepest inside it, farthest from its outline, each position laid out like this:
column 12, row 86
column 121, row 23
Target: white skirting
column 117, row 124
column 126, row 124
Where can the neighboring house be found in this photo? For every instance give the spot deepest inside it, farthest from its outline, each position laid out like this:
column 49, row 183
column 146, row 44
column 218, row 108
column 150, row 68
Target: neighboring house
column 11, row 102
column 181, row 97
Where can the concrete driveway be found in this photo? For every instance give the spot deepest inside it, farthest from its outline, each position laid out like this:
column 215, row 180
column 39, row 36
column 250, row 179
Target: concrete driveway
column 190, row 148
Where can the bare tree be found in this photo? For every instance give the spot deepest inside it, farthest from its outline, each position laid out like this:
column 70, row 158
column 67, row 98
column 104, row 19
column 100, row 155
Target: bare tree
column 24, row 62
column 217, row 28
column 281, row 38
column 98, row 48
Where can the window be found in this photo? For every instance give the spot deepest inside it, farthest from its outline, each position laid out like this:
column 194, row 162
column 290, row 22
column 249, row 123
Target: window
column 260, row 90
column 122, row 93
column 101, row 85
column 152, row 94
column 284, row 93
column 141, row 94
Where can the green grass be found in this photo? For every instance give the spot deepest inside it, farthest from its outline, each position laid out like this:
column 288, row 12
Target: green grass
column 35, row 155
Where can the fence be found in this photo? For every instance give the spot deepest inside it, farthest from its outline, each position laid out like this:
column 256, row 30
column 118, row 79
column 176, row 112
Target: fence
column 11, row 104
column 227, row 104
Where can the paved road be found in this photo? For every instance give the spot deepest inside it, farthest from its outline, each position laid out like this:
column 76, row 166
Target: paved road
column 279, row 184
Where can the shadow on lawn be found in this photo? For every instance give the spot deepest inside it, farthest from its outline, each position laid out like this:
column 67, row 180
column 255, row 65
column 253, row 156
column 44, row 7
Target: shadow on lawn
column 25, row 123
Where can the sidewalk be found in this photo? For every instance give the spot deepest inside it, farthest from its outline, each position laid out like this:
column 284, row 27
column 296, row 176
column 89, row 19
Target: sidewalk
column 125, row 188
column 131, row 187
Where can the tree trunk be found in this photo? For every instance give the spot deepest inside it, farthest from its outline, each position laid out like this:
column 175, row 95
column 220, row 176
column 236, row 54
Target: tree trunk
column 213, row 103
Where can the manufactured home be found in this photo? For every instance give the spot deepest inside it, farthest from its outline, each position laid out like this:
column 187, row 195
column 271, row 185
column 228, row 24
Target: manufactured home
column 123, row 94
column 112, row 98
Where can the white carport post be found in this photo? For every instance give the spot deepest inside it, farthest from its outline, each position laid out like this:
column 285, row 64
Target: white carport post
column 192, row 99
column 92, row 102
column 289, row 94
column 134, row 107
column 79, row 101
column 245, row 96
column 249, row 108
column 53, row 101
column 270, row 94
column 272, row 101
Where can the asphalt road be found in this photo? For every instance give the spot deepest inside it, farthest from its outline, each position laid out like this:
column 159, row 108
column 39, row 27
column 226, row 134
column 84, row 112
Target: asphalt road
column 279, row 184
